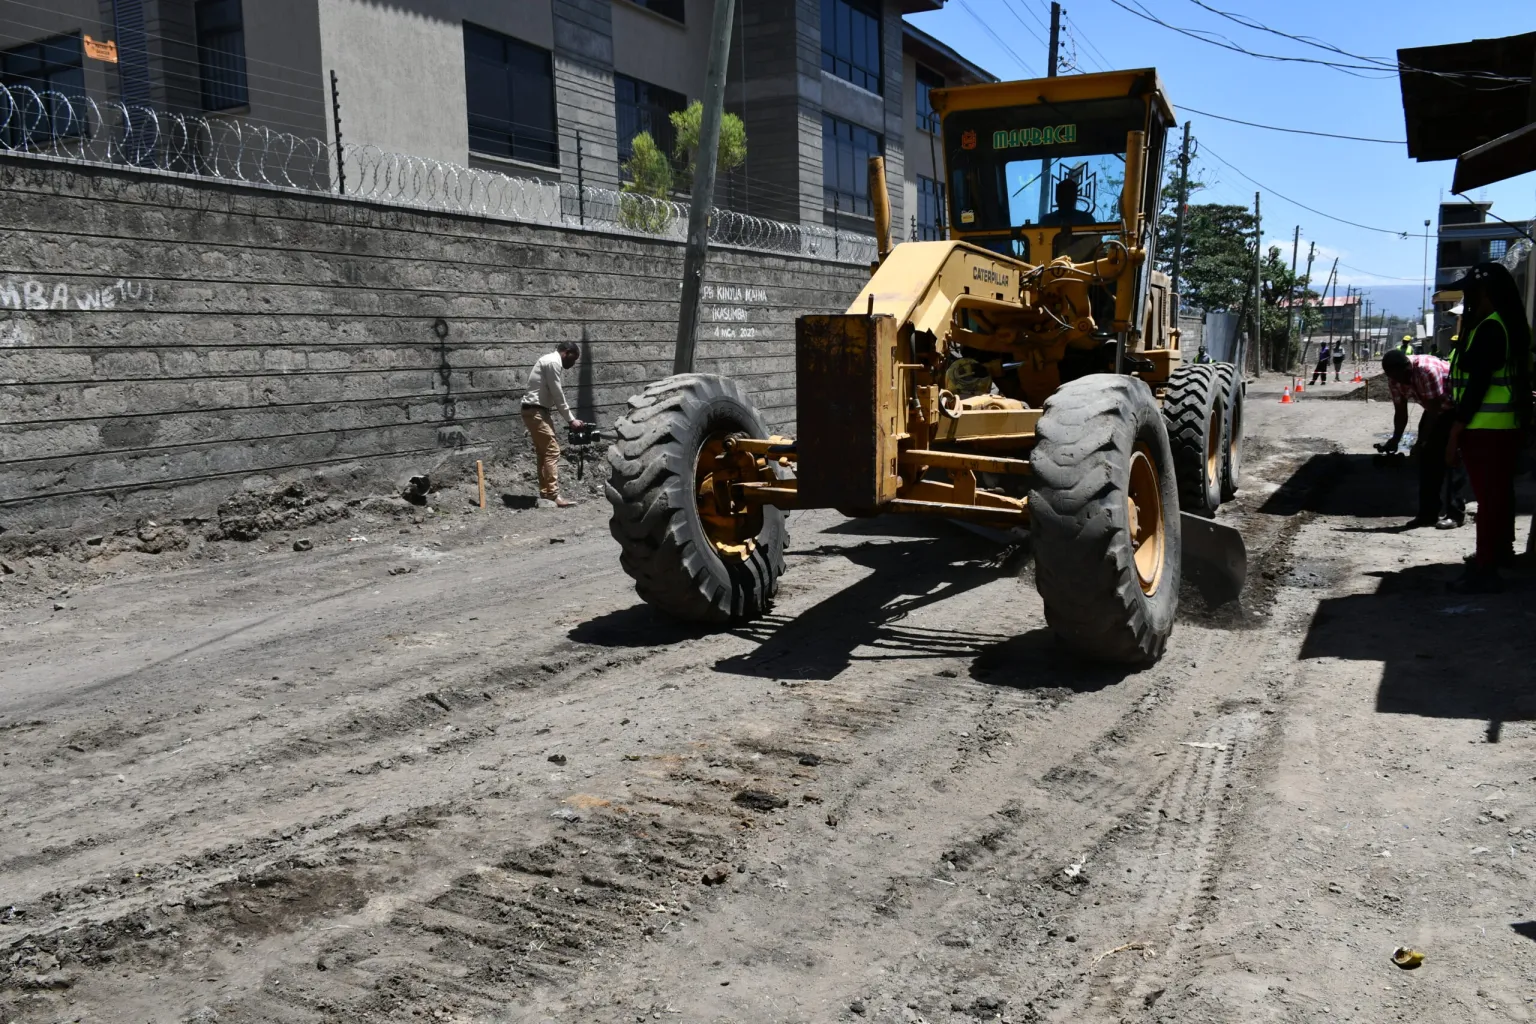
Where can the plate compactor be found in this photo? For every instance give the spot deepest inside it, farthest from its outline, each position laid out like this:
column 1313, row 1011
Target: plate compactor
column 1026, row 372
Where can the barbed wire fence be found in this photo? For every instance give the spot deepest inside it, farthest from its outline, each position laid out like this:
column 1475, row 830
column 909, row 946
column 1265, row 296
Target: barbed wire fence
column 52, row 125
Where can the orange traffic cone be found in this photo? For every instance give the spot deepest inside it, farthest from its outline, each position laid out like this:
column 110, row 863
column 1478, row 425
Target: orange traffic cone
column 1285, row 399
column 1358, row 379
column 1299, row 387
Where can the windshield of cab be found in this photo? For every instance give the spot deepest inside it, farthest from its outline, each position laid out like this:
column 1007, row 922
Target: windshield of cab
column 1049, row 164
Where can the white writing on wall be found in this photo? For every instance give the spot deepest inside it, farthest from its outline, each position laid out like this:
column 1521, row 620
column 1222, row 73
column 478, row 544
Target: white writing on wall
column 14, row 334
column 32, row 294
column 729, row 315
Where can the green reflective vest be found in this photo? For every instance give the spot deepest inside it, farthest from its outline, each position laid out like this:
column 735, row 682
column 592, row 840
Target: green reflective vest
column 1498, row 409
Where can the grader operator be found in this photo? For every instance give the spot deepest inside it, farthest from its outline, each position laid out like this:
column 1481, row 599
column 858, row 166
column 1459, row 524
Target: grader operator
column 1026, row 372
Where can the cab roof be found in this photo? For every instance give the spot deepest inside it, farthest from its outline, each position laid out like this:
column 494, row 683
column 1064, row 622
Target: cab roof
column 1062, row 89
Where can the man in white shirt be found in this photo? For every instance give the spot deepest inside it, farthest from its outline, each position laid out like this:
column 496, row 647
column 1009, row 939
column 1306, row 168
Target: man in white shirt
column 544, row 398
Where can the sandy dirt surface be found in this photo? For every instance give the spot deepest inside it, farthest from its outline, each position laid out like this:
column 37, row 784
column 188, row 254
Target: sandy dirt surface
column 456, row 772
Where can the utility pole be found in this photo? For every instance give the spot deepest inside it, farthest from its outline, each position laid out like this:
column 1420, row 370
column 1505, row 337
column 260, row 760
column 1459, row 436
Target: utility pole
column 1055, row 39
column 1303, row 286
column 1290, row 312
column 1258, row 282
column 1052, row 58
column 703, row 187
column 1424, row 311
column 1178, row 223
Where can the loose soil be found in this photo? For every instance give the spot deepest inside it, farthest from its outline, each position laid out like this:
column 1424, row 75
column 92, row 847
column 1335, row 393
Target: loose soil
column 453, row 770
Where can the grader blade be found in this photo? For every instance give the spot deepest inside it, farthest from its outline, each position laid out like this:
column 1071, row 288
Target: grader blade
column 1215, row 558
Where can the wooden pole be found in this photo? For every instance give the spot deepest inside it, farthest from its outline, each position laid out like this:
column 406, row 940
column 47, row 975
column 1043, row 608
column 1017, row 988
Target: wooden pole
column 480, row 472
column 697, row 248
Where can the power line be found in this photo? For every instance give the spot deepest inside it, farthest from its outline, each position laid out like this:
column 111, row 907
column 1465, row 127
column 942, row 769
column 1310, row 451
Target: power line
column 1372, row 273
column 1382, row 70
column 1311, row 209
column 1009, row 6
column 1390, row 65
column 998, row 39
column 1293, row 131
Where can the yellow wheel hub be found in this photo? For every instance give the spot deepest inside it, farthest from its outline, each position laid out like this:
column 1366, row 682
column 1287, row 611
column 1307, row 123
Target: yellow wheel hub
column 731, row 528
column 1144, row 516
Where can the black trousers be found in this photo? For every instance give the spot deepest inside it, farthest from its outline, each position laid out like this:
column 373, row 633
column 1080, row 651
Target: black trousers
column 1338, row 366
column 1320, row 372
column 1440, row 487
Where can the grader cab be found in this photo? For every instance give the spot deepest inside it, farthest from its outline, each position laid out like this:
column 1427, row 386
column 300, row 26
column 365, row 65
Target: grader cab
column 1026, row 372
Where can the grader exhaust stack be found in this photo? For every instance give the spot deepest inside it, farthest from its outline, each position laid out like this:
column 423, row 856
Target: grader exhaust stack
column 1024, row 372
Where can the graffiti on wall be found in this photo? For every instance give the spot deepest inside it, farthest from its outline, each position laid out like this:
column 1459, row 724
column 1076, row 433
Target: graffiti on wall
column 728, row 310
column 29, row 293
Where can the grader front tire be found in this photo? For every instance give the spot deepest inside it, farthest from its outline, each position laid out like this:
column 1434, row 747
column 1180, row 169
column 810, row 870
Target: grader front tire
column 1105, row 519
column 1195, row 408
column 1232, row 451
column 689, row 563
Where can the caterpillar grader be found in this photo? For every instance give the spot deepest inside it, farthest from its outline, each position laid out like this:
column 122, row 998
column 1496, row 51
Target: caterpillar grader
column 1024, row 372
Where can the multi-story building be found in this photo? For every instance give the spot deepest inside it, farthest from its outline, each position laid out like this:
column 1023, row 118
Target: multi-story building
column 1468, row 235
column 553, row 89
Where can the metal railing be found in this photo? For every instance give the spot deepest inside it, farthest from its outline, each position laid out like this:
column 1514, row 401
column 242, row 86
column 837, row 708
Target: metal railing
column 78, row 129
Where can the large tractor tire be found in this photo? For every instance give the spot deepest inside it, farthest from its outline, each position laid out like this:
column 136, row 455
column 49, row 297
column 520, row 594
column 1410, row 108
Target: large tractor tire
column 1104, row 515
column 689, row 558
column 1197, row 417
column 1232, row 449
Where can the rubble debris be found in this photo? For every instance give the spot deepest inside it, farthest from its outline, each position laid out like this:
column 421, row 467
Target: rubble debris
column 760, row 800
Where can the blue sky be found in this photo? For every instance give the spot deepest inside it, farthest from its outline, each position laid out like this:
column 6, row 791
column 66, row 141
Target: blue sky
column 1369, row 183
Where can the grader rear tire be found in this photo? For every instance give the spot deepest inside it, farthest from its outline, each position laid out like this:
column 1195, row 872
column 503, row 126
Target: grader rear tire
column 1196, row 412
column 1232, row 439
column 682, row 564
column 1105, row 519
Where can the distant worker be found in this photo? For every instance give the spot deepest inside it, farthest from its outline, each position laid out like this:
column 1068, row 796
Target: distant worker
column 1202, row 357
column 1066, row 212
column 1338, row 363
column 1426, row 380
column 1491, row 392
column 1407, row 346
column 544, row 397
column 1324, row 355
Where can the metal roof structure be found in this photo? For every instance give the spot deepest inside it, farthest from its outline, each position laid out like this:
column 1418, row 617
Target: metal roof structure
column 1474, row 102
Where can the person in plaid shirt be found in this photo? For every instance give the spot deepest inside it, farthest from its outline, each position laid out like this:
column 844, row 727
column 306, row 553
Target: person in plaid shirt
column 1427, row 381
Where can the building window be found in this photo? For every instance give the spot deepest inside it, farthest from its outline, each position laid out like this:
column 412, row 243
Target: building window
column 927, row 117
column 850, row 42
column 643, row 107
column 53, row 68
column 1497, row 247
column 221, row 54
column 510, row 93
column 930, row 207
column 845, row 152
column 666, row 8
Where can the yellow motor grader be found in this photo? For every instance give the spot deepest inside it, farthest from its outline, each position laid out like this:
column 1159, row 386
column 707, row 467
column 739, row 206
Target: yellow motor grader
column 1025, row 372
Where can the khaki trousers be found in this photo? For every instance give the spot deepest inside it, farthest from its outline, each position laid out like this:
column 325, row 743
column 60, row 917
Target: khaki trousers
column 546, row 449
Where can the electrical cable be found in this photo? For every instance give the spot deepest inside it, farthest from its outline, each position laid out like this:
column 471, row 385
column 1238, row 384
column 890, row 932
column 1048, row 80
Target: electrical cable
column 1009, row 6
column 1140, row 11
column 1311, row 209
column 1292, row 131
column 998, row 39
column 1390, row 65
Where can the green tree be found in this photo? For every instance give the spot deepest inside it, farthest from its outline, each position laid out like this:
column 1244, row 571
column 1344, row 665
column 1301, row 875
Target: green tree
column 644, row 197
column 729, row 154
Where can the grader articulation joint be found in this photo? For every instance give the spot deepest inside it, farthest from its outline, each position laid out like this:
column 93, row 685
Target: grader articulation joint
column 1025, row 372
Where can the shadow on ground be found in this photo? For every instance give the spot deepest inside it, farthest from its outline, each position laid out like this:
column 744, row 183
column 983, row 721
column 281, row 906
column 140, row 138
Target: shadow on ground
column 1349, row 484
column 1037, row 661
column 1443, row 655
column 905, row 575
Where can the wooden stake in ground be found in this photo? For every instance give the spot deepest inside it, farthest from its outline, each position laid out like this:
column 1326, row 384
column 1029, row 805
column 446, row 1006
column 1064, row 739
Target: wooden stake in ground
column 480, row 472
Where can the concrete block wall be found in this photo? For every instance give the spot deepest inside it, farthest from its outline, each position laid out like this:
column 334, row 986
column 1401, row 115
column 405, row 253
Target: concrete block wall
column 165, row 343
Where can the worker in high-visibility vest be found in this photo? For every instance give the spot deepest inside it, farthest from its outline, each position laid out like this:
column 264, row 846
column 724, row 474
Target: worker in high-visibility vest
column 1491, row 395
column 1407, row 345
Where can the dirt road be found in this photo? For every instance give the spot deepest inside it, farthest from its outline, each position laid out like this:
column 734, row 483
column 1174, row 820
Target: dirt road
column 456, row 772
